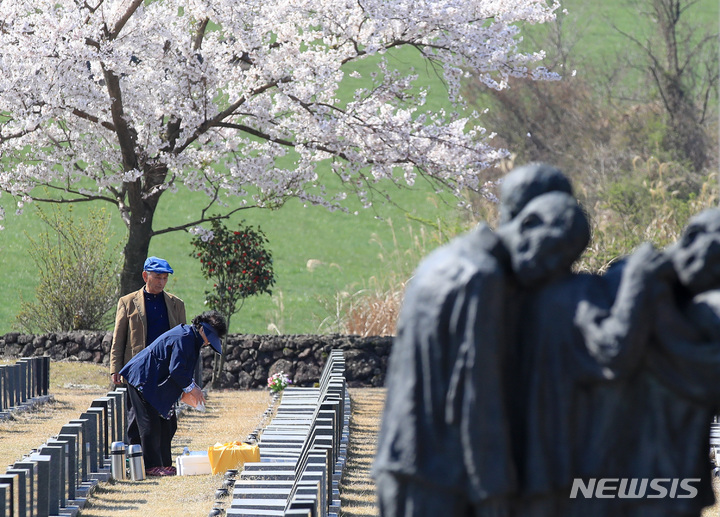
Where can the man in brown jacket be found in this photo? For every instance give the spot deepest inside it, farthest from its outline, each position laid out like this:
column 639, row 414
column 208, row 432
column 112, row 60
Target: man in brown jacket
column 141, row 317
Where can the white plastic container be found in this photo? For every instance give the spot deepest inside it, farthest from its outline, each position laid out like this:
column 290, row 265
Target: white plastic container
column 194, row 464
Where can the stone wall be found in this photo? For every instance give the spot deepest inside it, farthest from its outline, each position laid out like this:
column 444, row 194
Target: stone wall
column 249, row 359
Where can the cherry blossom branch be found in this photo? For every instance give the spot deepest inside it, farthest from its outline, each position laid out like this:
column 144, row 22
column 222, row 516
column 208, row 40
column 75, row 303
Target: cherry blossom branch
column 92, row 118
column 115, row 31
column 221, row 116
column 122, row 129
column 82, row 197
column 197, row 42
column 18, row 134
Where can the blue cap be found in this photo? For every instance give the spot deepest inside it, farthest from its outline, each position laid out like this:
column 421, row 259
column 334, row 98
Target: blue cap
column 212, row 336
column 157, row 265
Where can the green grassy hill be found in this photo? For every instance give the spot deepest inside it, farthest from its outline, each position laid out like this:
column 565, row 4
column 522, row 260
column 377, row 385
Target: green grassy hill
column 347, row 248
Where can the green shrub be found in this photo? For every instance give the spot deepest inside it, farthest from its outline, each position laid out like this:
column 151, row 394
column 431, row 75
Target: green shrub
column 78, row 277
column 651, row 203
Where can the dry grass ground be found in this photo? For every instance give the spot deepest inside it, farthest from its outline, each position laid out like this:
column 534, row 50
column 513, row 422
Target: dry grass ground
column 714, row 511
column 73, row 386
column 230, row 416
column 357, row 493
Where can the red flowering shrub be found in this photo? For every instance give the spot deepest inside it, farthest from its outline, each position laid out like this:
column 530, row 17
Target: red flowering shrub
column 239, row 265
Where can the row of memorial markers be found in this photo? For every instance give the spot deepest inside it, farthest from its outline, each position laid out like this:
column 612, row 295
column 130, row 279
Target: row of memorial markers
column 305, row 444
column 303, row 452
column 56, row 478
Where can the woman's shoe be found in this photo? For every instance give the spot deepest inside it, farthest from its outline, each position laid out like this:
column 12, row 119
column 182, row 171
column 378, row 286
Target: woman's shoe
column 157, row 471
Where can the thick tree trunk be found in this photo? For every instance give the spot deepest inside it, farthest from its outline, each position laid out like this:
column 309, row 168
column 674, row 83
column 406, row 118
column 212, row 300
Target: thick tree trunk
column 685, row 134
column 142, row 194
column 140, row 232
column 136, row 251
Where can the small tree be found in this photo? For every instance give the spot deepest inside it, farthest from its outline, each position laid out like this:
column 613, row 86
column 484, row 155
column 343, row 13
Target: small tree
column 239, row 264
column 680, row 57
column 79, row 279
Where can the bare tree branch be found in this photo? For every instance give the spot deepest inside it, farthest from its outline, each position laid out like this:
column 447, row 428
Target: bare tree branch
column 202, row 220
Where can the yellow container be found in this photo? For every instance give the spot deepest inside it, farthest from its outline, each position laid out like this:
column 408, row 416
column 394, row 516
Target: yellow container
column 231, row 455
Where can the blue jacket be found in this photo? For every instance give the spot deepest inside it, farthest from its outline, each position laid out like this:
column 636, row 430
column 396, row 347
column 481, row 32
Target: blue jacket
column 164, row 368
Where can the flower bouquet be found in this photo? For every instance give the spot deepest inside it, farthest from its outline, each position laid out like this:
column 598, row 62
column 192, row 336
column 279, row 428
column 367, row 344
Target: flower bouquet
column 278, row 382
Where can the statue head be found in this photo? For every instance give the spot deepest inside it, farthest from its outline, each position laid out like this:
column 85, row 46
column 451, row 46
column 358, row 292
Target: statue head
column 545, row 238
column 526, row 182
column 696, row 256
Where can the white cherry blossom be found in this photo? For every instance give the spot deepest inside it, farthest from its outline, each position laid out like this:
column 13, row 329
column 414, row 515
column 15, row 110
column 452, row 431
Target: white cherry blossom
column 243, row 100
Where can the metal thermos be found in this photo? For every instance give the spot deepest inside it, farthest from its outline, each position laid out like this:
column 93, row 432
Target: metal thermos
column 137, row 463
column 117, row 460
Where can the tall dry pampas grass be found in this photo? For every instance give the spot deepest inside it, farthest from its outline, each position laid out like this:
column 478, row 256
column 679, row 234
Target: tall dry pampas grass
column 372, row 309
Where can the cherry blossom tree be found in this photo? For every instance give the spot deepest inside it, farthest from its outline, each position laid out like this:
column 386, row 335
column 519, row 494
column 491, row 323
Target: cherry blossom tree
column 123, row 101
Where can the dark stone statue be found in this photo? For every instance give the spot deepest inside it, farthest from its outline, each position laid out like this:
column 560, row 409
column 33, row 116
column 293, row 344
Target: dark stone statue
column 581, row 331
column 512, row 379
column 653, row 422
column 446, row 370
